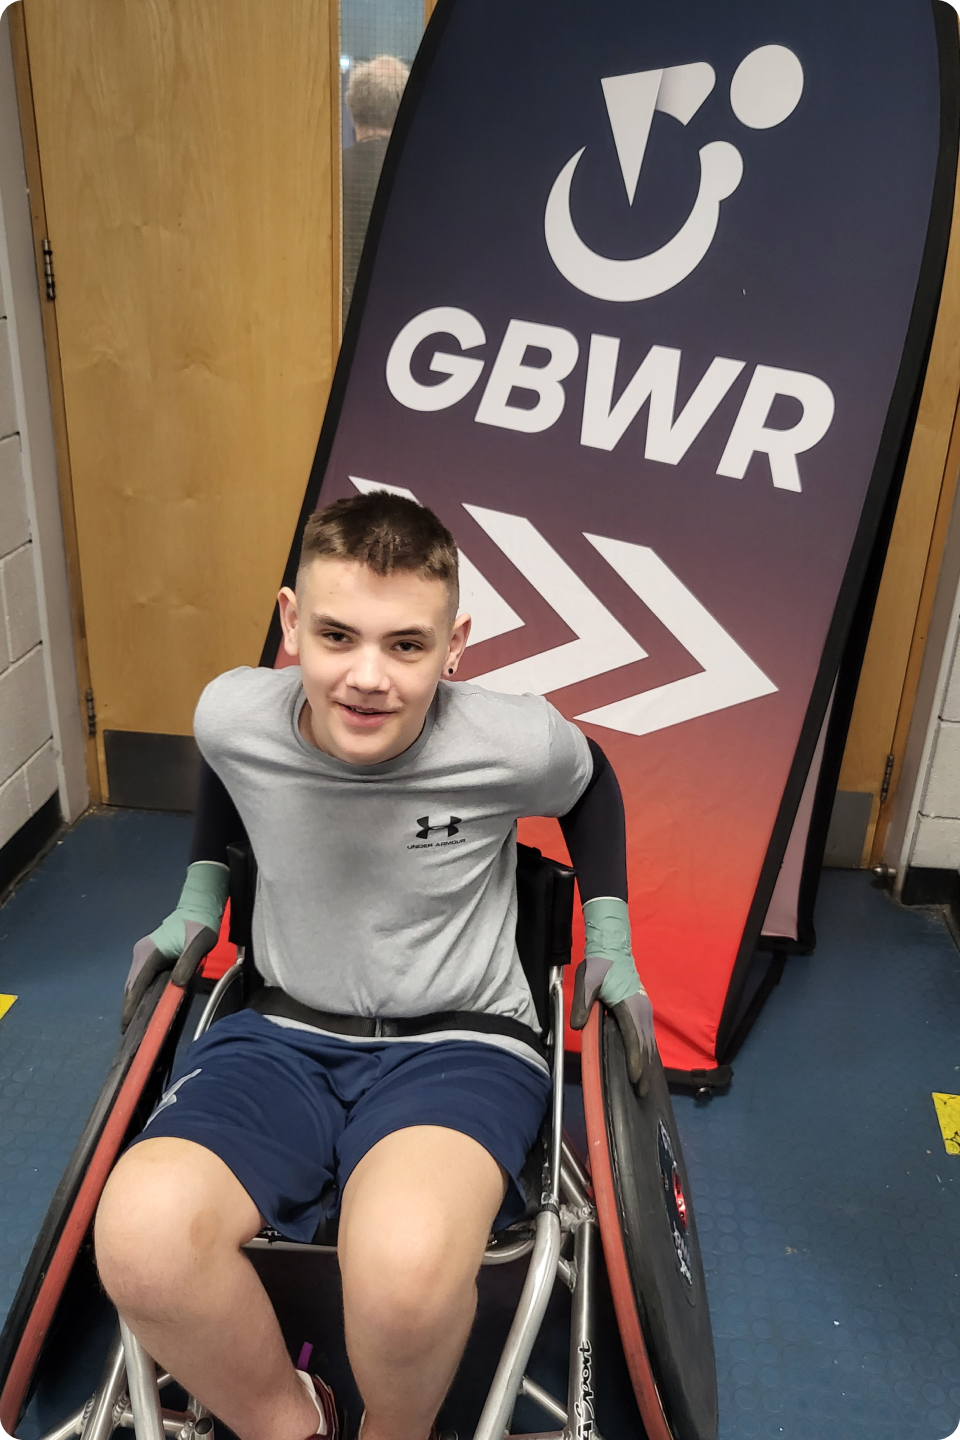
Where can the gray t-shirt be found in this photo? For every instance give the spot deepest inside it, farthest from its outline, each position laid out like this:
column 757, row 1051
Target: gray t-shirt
column 390, row 890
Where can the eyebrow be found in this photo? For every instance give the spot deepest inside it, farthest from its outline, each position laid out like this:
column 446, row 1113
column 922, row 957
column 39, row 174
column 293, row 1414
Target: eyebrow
column 425, row 632
column 333, row 624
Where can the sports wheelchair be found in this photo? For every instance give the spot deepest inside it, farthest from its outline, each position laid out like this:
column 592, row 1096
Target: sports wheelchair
column 628, row 1194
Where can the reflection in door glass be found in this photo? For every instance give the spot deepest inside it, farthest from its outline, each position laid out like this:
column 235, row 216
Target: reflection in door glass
column 378, row 41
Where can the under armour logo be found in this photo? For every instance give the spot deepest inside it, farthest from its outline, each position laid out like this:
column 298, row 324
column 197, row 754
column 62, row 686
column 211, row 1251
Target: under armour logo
column 450, row 826
column 765, row 89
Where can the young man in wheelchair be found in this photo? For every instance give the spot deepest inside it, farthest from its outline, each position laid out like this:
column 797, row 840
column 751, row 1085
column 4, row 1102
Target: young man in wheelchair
column 394, row 1065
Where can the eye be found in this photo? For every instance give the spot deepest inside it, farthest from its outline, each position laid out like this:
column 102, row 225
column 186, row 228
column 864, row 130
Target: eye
column 409, row 647
column 336, row 637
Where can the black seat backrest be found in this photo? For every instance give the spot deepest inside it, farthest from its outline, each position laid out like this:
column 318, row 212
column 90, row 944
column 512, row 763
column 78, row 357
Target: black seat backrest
column 544, row 921
column 544, row 918
column 243, row 893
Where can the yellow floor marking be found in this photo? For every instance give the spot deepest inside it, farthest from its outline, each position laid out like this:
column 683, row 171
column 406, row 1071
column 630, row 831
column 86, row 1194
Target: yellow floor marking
column 5, row 1002
column 948, row 1113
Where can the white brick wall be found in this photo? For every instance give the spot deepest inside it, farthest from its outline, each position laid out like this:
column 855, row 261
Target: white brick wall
column 14, row 525
column 950, row 709
column 42, row 746
column 24, row 718
column 8, row 402
column 14, row 805
column 937, row 835
column 40, row 773
column 18, row 600
column 28, row 770
column 937, row 839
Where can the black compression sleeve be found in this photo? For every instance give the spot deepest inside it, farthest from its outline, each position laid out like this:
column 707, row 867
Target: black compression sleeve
column 216, row 823
column 596, row 836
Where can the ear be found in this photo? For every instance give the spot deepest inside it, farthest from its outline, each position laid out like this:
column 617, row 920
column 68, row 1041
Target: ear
column 457, row 645
column 287, row 601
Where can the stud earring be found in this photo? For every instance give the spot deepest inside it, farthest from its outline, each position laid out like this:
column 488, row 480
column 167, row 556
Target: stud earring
column 450, row 671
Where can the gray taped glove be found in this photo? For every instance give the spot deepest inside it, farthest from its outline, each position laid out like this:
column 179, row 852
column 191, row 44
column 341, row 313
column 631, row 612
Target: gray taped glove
column 608, row 972
column 190, row 931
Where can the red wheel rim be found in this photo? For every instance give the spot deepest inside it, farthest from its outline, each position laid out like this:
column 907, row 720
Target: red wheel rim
column 621, row 1287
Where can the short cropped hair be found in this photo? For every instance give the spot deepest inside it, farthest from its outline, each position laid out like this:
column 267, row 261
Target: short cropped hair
column 374, row 90
column 388, row 533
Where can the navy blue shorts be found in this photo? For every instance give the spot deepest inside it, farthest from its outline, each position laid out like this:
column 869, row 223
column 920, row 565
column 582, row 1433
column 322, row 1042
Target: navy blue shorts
column 291, row 1112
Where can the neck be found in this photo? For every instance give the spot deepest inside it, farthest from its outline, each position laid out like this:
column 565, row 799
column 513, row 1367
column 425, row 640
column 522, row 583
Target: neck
column 369, row 132
column 305, row 723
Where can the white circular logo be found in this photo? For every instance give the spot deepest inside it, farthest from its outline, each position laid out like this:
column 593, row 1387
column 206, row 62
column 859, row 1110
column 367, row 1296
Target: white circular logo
column 765, row 89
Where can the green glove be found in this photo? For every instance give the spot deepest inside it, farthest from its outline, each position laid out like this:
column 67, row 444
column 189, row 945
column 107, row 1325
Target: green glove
column 202, row 899
column 195, row 923
column 608, row 972
column 607, row 925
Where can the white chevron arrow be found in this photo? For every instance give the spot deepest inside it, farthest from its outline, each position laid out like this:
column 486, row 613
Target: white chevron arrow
column 602, row 643
column 728, row 675
column 489, row 611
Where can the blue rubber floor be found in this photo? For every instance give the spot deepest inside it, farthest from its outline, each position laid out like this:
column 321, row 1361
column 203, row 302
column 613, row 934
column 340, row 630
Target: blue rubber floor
column 65, row 941
column 829, row 1211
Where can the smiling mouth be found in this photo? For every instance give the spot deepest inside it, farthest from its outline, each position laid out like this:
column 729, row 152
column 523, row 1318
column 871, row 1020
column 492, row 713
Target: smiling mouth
column 365, row 712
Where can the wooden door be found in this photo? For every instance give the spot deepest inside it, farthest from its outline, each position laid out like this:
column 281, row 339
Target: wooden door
column 189, row 153
column 891, row 667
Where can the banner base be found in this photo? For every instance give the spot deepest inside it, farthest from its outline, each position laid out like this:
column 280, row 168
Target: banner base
column 704, row 1084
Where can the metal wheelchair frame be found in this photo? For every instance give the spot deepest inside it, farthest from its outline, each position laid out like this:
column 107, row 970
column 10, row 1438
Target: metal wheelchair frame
column 129, row 1393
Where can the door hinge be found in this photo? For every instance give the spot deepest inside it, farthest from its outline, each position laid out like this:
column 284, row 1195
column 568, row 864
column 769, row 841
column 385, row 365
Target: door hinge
column 48, row 276
column 887, row 776
column 91, row 713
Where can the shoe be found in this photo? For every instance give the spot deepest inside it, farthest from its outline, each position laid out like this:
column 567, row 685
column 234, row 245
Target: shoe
column 322, row 1395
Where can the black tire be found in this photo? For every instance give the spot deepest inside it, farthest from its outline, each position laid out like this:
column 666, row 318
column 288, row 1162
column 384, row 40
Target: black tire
column 660, row 1242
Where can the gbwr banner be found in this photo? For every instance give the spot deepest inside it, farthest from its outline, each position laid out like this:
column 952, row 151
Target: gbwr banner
column 643, row 314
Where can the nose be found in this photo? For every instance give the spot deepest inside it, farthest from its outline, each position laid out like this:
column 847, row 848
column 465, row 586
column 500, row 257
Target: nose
column 367, row 671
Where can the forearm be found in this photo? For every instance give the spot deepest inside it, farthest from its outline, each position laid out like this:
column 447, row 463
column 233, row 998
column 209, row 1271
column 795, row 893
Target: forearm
column 196, row 918
column 595, row 834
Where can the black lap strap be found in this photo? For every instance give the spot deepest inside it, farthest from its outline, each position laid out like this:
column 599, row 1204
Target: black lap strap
column 270, row 1000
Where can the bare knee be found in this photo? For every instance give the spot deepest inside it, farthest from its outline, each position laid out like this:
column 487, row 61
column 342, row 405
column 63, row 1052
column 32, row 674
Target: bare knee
column 169, row 1212
column 416, row 1216
column 410, row 1292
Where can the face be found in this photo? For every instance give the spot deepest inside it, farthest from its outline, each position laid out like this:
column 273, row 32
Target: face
column 371, row 650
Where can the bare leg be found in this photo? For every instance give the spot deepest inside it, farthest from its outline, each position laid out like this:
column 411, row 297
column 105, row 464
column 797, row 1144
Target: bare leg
column 168, row 1235
column 417, row 1212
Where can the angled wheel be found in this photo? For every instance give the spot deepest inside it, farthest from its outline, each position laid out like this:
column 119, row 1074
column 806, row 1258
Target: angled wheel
column 649, row 1241
column 135, row 1069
